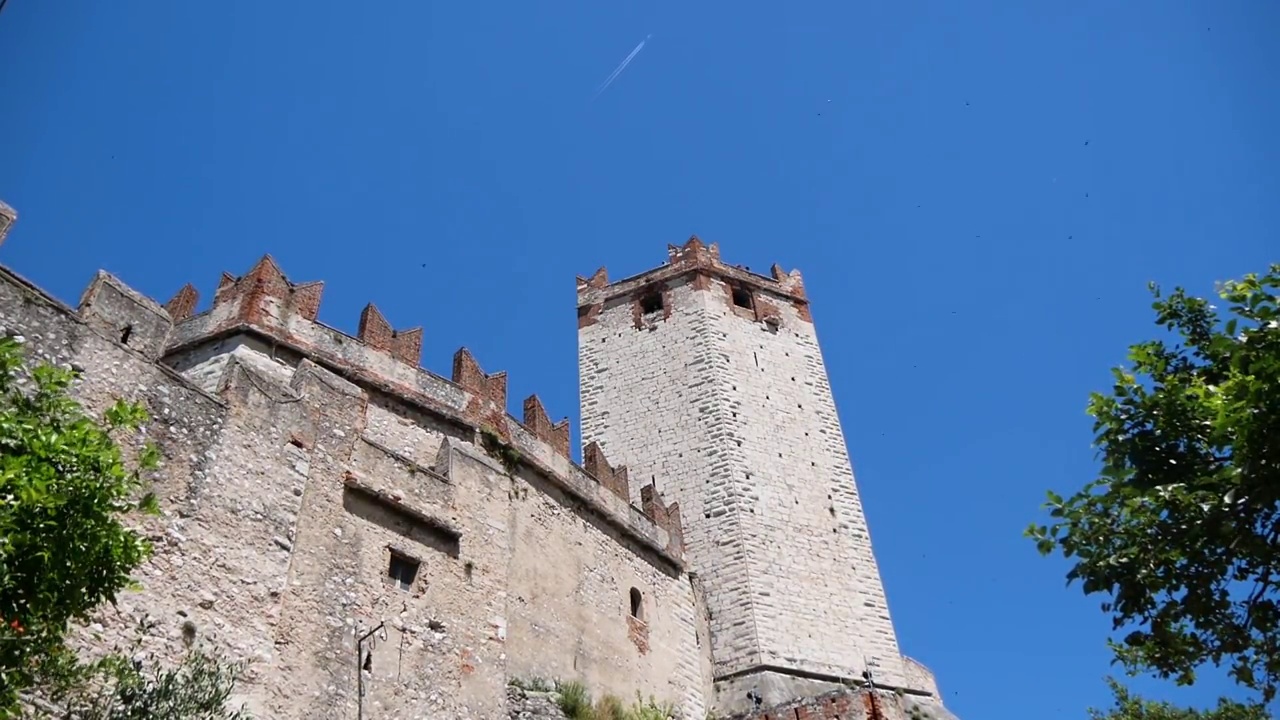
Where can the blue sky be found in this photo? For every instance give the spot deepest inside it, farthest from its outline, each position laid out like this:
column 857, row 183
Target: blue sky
column 977, row 193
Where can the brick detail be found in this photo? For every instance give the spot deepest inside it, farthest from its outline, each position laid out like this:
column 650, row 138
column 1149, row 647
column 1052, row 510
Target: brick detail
column 536, row 419
column 8, row 216
column 599, row 279
column 487, row 404
column 693, row 253
column 183, row 303
column 614, row 479
column 700, row 263
column 376, row 332
column 264, row 295
column 588, row 314
column 638, row 633
column 664, row 516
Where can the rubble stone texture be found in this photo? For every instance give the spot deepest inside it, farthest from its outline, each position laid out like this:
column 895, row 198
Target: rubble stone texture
column 341, row 518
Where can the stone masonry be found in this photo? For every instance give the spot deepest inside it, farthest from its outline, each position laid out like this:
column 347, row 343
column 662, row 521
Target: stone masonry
column 340, row 518
column 707, row 380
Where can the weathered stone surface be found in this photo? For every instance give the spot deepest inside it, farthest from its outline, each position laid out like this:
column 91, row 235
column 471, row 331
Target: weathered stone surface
column 344, row 520
column 292, row 485
column 709, row 379
column 530, row 705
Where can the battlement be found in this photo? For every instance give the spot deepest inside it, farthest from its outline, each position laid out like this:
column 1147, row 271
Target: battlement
column 264, row 303
column 754, row 295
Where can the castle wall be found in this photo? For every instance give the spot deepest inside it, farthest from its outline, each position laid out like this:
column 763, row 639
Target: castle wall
column 287, row 489
column 730, row 408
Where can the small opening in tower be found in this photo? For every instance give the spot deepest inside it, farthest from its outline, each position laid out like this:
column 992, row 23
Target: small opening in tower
column 125, row 334
column 637, row 604
column 402, row 570
column 742, row 297
column 651, row 303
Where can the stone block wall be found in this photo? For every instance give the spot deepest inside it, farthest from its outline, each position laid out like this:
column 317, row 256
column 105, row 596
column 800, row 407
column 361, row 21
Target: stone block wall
column 710, row 379
column 305, row 470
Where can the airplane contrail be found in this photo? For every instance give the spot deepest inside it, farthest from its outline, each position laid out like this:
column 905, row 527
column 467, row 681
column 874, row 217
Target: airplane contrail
column 621, row 66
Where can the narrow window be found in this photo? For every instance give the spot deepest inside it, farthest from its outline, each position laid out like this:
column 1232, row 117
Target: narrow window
column 742, row 297
column 402, row 570
column 125, row 333
column 651, row 303
column 637, row 604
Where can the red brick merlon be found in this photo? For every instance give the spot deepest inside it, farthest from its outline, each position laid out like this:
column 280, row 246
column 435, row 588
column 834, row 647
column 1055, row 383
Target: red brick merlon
column 614, row 479
column 664, row 516
column 536, row 419
column 183, row 303
column 375, row 331
column 702, row 262
column 265, row 304
column 8, row 216
column 487, row 404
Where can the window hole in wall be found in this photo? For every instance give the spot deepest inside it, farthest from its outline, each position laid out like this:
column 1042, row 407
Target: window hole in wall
column 651, row 303
column 468, row 570
column 742, row 297
column 637, row 604
column 296, row 443
column 756, row 356
column 402, row 570
column 125, row 334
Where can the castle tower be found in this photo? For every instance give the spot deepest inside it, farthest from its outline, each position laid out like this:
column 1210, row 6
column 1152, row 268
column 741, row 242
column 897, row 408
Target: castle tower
column 708, row 379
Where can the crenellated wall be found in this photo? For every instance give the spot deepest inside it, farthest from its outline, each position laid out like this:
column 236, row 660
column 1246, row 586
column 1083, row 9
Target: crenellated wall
column 304, row 469
column 319, row 487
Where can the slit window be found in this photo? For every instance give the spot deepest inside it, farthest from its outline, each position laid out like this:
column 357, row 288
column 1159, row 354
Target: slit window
column 402, row 571
column 125, row 334
column 651, row 303
column 637, row 604
column 742, row 297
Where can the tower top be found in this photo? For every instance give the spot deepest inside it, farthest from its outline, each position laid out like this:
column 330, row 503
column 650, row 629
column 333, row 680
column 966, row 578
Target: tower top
column 700, row 260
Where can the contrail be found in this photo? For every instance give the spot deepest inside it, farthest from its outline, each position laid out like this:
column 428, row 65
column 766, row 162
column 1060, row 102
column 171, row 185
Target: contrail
column 621, row 66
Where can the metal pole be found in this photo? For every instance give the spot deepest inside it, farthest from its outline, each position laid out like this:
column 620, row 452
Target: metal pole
column 2, row 2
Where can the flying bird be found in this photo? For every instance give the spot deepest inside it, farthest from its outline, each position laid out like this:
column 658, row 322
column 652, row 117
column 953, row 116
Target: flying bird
column 621, row 66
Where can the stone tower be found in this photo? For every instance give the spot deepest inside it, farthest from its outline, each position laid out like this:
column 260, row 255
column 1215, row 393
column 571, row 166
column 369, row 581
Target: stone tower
column 707, row 379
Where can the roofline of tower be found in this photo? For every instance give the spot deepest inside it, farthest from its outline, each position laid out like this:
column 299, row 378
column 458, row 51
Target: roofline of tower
column 693, row 258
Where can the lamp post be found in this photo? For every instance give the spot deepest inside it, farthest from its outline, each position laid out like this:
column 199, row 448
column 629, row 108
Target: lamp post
column 362, row 661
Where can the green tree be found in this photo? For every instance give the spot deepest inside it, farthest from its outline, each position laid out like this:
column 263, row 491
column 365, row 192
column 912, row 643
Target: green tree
column 64, row 485
column 1131, row 707
column 1181, row 530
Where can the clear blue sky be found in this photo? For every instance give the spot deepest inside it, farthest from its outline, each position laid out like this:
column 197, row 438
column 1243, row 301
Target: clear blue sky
column 977, row 193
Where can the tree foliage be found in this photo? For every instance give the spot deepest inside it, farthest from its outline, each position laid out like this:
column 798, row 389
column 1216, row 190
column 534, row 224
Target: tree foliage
column 1131, row 707
column 63, row 487
column 1181, row 530
column 124, row 686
